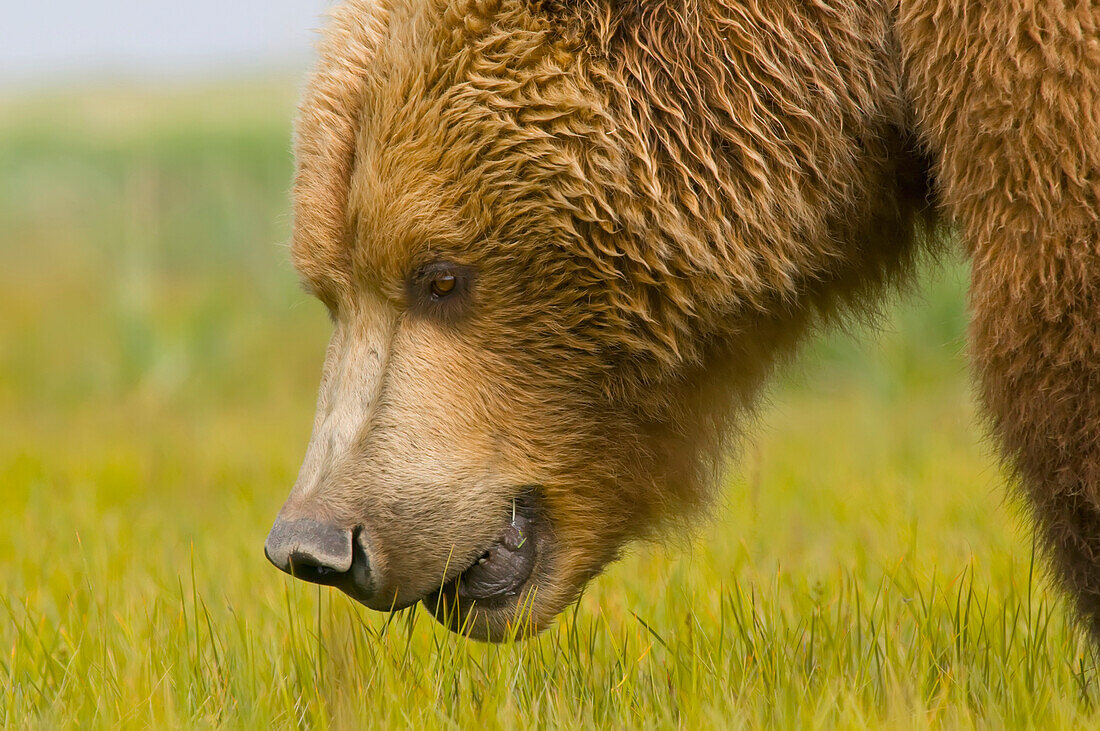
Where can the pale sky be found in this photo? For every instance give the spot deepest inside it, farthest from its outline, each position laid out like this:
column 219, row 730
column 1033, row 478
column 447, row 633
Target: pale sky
column 59, row 41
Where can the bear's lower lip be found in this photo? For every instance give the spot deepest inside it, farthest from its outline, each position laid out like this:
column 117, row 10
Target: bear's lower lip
column 498, row 576
column 503, row 568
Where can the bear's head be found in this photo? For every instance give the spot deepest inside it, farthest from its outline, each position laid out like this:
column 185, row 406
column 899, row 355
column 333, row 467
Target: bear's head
column 522, row 375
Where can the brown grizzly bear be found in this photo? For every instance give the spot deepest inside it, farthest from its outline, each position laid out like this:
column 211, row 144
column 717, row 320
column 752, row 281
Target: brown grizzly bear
column 564, row 241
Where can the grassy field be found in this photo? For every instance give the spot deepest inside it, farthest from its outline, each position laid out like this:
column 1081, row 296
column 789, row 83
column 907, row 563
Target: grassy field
column 157, row 373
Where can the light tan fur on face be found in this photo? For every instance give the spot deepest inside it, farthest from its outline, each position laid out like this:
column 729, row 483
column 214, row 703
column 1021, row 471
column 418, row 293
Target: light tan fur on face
column 658, row 201
column 350, row 385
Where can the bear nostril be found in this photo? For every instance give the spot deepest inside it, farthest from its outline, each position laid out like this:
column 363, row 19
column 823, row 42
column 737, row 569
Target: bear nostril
column 306, row 568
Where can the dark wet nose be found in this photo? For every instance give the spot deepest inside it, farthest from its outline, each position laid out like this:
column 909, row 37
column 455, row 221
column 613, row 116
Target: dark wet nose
column 319, row 552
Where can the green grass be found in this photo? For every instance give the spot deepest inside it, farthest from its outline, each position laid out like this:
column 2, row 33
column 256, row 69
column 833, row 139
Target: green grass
column 157, row 373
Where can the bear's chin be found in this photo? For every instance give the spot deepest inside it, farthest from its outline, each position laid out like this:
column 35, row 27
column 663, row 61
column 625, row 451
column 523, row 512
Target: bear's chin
column 501, row 619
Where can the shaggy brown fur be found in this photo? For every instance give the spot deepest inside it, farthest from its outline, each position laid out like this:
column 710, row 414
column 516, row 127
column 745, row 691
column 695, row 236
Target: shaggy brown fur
column 1007, row 94
column 656, row 201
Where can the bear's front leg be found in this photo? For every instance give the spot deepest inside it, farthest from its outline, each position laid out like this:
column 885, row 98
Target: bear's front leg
column 1007, row 97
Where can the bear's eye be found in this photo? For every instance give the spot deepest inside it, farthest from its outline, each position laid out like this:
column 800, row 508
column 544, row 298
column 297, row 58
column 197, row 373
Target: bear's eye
column 440, row 290
column 442, row 285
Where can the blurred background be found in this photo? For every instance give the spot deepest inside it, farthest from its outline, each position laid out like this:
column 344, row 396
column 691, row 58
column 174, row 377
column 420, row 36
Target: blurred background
column 158, row 363
column 144, row 167
column 158, row 366
column 153, row 40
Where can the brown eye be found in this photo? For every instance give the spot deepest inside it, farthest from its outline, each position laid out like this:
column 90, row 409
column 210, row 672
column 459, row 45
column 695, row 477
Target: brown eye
column 441, row 290
column 442, row 285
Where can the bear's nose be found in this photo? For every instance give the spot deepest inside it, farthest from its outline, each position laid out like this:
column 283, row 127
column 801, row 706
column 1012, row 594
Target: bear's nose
column 318, row 552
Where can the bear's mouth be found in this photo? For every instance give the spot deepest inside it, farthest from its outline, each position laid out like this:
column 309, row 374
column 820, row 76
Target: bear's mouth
column 497, row 577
